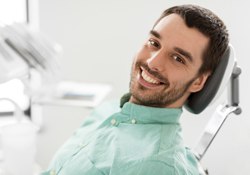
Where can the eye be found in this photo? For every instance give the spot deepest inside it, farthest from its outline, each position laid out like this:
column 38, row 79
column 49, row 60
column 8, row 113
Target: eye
column 152, row 42
column 179, row 59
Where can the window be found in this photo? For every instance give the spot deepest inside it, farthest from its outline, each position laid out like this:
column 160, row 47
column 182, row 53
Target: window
column 13, row 11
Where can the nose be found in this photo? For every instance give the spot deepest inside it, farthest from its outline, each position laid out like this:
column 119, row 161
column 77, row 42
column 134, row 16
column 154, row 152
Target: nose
column 156, row 61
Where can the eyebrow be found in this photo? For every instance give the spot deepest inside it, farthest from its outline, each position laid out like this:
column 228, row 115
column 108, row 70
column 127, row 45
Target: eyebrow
column 155, row 34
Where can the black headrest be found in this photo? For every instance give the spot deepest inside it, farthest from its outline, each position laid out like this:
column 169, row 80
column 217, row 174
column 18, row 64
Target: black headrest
column 197, row 102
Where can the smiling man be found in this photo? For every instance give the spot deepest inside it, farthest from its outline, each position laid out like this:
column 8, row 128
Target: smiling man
column 166, row 68
column 144, row 136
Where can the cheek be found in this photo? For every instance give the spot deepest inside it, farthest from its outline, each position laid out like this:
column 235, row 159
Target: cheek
column 181, row 81
column 142, row 54
column 134, row 70
column 175, row 78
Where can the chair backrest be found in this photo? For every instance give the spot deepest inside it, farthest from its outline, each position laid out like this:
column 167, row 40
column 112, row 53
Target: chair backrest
column 215, row 84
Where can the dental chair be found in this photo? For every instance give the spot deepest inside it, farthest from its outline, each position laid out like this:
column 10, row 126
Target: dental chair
column 225, row 75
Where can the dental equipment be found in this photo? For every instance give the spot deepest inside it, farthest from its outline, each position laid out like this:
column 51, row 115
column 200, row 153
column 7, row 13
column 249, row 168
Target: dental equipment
column 28, row 56
column 225, row 75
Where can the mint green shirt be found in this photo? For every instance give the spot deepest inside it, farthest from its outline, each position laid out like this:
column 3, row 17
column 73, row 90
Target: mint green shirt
column 134, row 140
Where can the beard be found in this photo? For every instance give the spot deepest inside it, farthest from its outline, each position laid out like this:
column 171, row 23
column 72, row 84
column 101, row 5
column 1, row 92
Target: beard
column 160, row 97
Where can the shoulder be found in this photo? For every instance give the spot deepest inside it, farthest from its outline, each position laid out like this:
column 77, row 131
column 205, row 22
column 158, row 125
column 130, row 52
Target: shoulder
column 178, row 162
column 182, row 160
column 144, row 167
column 101, row 112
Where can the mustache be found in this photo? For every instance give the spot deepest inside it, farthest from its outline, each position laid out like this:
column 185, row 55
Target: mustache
column 152, row 72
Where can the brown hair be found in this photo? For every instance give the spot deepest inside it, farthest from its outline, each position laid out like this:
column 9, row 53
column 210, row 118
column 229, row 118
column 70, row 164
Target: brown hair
column 210, row 25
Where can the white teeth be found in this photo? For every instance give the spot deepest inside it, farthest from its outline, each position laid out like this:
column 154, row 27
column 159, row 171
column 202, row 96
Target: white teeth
column 149, row 79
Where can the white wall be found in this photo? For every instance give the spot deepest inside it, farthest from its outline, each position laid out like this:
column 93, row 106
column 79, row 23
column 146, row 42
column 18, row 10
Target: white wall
column 100, row 37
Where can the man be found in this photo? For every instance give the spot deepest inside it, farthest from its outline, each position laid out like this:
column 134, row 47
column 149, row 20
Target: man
column 144, row 136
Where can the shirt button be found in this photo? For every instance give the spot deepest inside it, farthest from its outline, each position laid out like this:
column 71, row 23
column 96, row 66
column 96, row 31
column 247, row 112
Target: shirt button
column 133, row 121
column 52, row 172
column 113, row 122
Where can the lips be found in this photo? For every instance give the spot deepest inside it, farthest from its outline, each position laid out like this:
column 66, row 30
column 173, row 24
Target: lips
column 148, row 80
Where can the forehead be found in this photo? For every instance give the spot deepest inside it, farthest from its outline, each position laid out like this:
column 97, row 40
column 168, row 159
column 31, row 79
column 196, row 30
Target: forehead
column 175, row 33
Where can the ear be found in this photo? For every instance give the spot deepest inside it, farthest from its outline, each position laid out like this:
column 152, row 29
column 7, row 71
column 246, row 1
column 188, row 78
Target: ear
column 199, row 83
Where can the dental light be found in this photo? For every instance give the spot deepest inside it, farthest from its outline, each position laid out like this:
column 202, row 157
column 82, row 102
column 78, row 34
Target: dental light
column 23, row 50
column 28, row 56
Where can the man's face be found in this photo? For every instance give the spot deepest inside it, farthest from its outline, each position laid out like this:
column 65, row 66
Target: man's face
column 165, row 69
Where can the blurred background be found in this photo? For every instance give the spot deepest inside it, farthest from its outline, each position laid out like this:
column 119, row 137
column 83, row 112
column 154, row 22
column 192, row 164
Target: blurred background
column 99, row 40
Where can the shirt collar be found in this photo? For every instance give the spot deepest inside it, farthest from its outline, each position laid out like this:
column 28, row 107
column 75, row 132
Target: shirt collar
column 151, row 115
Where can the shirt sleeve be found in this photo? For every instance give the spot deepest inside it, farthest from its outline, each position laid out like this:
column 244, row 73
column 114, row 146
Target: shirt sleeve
column 156, row 167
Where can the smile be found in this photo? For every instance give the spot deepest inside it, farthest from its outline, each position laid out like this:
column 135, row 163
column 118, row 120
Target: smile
column 149, row 79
